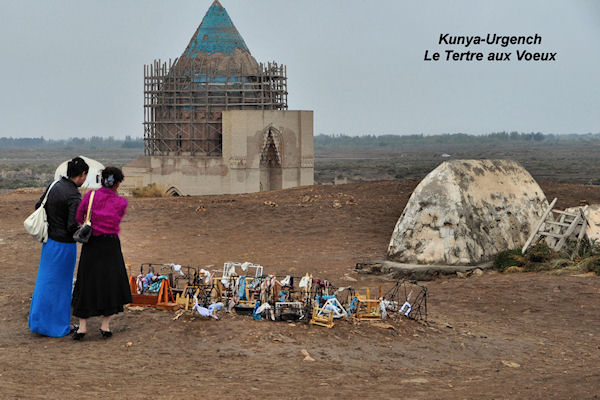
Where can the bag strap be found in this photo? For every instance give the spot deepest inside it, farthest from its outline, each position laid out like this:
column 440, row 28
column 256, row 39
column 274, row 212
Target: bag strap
column 89, row 211
column 47, row 193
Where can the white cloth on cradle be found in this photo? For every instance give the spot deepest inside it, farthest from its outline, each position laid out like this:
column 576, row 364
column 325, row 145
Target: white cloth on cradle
column 207, row 275
column 245, row 265
column 286, row 281
column 335, row 307
column 386, row 305
column 265, row 307
column 406, row 306
column 215, row 307
column 304, row 281
column 206, row 312
column 177, row 268
column 228, row 269
column 139, row 282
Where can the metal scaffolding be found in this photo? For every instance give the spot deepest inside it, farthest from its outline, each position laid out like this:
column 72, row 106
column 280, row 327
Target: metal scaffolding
column 184, row 98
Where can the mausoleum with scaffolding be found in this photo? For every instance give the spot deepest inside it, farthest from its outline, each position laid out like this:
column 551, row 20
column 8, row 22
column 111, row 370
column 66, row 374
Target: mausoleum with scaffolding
column 185, row 101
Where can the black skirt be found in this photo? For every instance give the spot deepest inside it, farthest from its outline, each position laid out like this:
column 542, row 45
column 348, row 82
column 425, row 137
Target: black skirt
column 102, row 287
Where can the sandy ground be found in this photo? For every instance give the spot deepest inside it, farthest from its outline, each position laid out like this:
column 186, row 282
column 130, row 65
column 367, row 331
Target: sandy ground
column 491, row 336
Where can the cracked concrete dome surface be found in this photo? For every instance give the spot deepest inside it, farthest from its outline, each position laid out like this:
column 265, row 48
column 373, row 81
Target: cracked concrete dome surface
column 467, row 211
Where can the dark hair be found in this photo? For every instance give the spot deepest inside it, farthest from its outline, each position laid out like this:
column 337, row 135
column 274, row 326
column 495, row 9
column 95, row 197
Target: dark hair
column 76, row 167
column 111, row 176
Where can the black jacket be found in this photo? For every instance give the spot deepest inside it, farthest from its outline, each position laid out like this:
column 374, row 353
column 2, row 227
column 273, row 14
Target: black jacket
column 61, row 208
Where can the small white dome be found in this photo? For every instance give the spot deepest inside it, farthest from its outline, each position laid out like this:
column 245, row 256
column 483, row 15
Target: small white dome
column 93, row 177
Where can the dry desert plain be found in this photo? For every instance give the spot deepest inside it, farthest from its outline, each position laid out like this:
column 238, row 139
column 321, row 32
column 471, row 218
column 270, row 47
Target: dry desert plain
column 527, row 335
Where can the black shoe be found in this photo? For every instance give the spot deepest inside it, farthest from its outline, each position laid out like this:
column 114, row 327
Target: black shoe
column 74, row 328
column 105, row 334
column 78, row 335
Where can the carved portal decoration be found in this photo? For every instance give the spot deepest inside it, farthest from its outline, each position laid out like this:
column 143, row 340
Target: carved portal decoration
column 270, row 156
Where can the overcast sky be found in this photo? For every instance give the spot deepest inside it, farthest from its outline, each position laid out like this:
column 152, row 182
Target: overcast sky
column 75, row 68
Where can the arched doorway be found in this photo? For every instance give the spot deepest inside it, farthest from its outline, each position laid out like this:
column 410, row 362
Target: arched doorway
column 271, row 177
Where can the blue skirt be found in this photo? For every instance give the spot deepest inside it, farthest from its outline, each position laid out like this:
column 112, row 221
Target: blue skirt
column 50, row 312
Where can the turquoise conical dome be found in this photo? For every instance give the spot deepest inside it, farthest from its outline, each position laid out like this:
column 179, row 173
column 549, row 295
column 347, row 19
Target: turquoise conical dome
column 216, row 34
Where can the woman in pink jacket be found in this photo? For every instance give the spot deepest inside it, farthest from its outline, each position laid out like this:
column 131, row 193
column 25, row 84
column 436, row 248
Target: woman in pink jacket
column 102, row 287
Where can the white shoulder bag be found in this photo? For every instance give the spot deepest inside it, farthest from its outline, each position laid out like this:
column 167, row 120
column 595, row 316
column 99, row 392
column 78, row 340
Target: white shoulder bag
column 37, row 223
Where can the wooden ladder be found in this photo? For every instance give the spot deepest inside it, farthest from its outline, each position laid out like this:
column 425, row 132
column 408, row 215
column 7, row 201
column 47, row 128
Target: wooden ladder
column 558, row 228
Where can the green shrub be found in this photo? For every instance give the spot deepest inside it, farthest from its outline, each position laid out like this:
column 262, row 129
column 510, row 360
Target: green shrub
column 542, row 258
column 508, row 258
column 590, row 264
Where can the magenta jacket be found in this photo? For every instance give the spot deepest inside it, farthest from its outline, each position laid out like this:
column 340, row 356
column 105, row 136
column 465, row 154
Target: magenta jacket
column 108, row 209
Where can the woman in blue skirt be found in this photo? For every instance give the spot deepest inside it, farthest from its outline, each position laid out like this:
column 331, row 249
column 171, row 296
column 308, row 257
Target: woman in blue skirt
column 50, row 311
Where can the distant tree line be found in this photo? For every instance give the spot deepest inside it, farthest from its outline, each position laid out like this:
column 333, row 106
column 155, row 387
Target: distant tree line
column 94, row 142
column 454, row 138
column 323, row 140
